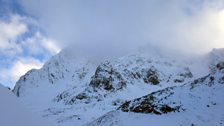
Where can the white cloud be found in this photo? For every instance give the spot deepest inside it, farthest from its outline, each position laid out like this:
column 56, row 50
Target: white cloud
column 39, row 44
column 20, row 55
column 16, row 27
column 113, row 25
column 11, row 30
column 50, row 45
column 22, row 66
column 196, row 33
column 19, row 68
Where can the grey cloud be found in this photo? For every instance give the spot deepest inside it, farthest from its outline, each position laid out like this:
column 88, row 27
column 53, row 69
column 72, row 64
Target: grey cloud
column 122, row 26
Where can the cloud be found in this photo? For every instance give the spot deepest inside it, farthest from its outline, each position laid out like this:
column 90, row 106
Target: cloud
column 197, row 32
column 10, row 31
column 112, row 27
column 50, row 44
column 19, row 68
column 39, row 44
column 123, row 26
column 13, row 38
column 22, row 47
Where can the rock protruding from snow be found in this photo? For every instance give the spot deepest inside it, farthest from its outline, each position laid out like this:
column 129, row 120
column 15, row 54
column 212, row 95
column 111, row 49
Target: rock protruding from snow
column 220, row 66
column 152, row 103
column 108, row 78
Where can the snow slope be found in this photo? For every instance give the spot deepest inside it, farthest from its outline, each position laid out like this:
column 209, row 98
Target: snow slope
column 73, row 90
column 13, row 113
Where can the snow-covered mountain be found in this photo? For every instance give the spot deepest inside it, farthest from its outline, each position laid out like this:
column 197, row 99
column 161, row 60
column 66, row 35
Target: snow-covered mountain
column 14, row 113
column 73, row 90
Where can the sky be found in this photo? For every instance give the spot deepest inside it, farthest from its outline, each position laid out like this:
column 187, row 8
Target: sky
column 31, row 31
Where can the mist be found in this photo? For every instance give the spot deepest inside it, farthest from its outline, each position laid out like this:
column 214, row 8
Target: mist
column 120, row 27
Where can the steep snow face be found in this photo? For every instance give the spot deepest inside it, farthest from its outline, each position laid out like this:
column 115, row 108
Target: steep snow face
column 60, row 73
column 197, row 103
column 57, row 69
column 13, row 113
